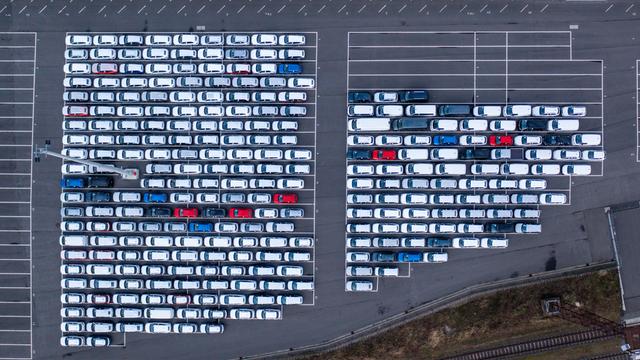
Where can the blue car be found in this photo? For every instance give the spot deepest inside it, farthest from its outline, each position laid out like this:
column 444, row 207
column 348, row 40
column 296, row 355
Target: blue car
column 72, row 183
column 409, row 257
column 155, row 198
column 289, row 68
column 200, row 227
column 445, row 140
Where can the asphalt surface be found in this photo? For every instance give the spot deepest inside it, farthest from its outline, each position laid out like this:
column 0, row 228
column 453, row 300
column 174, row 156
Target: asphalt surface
column 573, row 235
column 16, row 110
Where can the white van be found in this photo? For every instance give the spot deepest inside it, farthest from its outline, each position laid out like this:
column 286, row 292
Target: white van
column 188, row 241
column 74, row 240
column 159, row 313
column 563, row 125
column 413, row 154
column 420, row 110
column 419, row 169
column 370, row 124
column 387, row 271
column 451, row 169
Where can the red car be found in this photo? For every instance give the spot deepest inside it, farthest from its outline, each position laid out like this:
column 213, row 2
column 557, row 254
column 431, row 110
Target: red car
column 381, row 154
column 285, row 198
column 185, row 212
column 242, row 213
column 104, row 68
column 500, row 140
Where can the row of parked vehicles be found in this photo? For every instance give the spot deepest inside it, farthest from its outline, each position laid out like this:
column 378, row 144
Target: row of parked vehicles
column 184, row 111
column 129, row 96
column 189, row 82
column 441, row 228
column 107, row 68
column 185, row 39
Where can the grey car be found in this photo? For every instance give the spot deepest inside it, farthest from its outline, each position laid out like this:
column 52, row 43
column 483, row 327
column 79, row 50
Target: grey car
column 236, row 54
column 291, row 213
column 251, row 227
column 233, row 198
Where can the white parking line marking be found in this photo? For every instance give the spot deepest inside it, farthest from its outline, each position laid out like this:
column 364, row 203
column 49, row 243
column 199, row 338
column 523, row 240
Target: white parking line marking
column 143, row 6
column 202, row 8
column 102, row 8
column 382, row 8
column 222, row 7
column 44, row 7
column 444, row 7
column 464, row 7
column 504, row 8
column 609, row 8
column 524, row 8
column 544, row 8
column 162, row 8
column 483, row 8
column 240, row 10
column 302, row 8
column 629, row 8
column 122, row 8
column 342, row 8
column 81, row 10
column 362, row 8
column 20, row 12
column 322, row 8
column 261, row 8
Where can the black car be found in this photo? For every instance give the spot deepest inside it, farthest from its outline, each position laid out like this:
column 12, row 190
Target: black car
column 475, row 154
column 383, row 256
column 406, row 123
column 414, row 96
column 532, row 124
column 454, row 110
column 556, row 140
column 358, row 154
column 99, row 182
column 214, row 213
column 159, row 212
column 501, row 227
column 438, row 242
column 98, row 196
column 359, row 97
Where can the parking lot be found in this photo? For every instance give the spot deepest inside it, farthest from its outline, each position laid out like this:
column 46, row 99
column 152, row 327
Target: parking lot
column 547, row 111
column 17, row 79
column 221, row 129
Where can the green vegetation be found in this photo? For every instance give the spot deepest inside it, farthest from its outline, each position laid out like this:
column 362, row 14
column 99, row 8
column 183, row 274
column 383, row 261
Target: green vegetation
column 507, row 316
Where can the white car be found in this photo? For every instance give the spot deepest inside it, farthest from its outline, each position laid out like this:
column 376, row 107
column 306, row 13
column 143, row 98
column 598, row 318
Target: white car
column 527, row 140
column 545, row 169
column 538, row 154
column 473, row 125
column 569, row 155
column 487, row 111
column 586, row 139
column 264, row 39
column 553, row 199
column 516, row 110
column 545, row 110
column 502, row 125
column 473, row 140
column 576, row 169
column 78, row 40
column 573, row 110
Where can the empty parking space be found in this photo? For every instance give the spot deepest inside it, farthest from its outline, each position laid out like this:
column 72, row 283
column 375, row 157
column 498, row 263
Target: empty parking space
column 223, row 134
column 462, row 156
column 17, row 79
